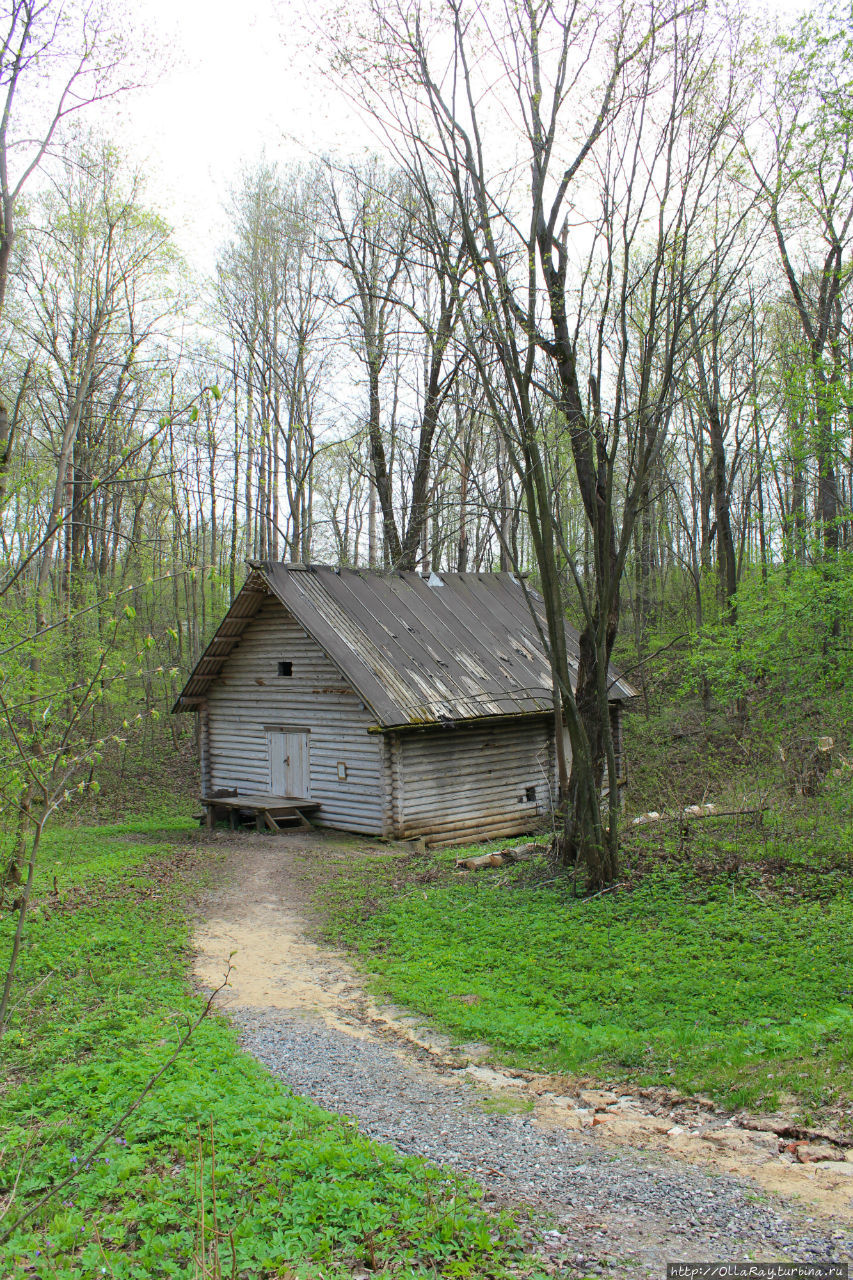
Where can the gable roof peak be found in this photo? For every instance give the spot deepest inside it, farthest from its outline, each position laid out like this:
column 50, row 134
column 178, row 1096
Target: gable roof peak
column 418, row 650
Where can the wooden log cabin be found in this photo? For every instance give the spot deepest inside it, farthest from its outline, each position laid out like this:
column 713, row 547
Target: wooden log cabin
column 385, row 703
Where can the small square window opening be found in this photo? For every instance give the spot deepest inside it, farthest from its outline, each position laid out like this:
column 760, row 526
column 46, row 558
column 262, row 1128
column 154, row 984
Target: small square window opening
column 285, row 668
column 530, row 794
column 342, row 771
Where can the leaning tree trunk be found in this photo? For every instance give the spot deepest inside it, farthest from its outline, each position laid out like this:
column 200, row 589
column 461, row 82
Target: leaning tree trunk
column 726, row 560
column 586, row 836
column 827, row 485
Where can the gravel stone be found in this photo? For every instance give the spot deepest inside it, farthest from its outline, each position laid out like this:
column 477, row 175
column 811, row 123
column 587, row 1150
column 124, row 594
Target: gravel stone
column 627, row 1212
column 594, row 1208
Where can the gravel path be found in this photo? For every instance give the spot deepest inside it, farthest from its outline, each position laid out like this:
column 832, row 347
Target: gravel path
column 612, row 1210
column 596, row 1208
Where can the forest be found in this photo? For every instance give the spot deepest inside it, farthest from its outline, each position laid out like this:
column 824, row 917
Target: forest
column 581, row 312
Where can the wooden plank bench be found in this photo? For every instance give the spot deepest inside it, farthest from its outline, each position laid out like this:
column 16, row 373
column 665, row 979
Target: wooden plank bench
column 273, row 813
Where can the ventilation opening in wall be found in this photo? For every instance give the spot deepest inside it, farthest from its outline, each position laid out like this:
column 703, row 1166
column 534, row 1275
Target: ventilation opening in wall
column 285, row 668
column 530, row 794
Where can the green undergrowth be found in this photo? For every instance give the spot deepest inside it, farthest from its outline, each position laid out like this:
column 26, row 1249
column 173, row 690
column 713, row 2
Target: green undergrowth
column 721, row 964
column 220, row 1172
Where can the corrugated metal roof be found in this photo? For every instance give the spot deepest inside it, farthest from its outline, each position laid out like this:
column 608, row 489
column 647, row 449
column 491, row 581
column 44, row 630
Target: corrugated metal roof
column 457, row 646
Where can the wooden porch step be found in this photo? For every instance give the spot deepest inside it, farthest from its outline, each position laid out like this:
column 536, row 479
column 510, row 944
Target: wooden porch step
column 270, row 812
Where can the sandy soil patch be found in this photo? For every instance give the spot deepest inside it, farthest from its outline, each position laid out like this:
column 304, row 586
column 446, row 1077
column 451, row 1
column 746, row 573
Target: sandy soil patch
column 260, row 917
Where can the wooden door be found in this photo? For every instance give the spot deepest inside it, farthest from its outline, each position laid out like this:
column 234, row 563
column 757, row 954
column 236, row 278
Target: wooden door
column 290, row 772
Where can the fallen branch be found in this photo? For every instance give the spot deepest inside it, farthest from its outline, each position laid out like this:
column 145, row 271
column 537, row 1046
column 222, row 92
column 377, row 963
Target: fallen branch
column 520, row 853
column 690, row 815
column 485, row 860
column 611, row 888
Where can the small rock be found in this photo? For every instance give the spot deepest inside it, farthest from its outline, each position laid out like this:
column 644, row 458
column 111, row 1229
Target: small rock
column 570, row 1120
column 732, row 1139
column 765, row 1142
column 811, row 1152
column 598, row 1098
column 841, row 1167
column 631, row 1128
column 644, row 818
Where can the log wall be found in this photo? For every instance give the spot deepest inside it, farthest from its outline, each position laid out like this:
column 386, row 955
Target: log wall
column 471, row 783
column 447, row 785
column 250, row 697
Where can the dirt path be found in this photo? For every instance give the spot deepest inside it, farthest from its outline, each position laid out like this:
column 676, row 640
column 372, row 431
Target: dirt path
column 628, row 1182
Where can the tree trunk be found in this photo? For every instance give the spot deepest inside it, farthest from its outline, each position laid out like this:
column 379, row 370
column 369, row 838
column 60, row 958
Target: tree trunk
column 827, row 487
column 585, row 837
column 372, row 542
column 584, row 834
column 462, row 545
column 644, row 571
column 381, row 476
column 504, row 513
column 762, row 531
column 726, row 559
column 6, row 444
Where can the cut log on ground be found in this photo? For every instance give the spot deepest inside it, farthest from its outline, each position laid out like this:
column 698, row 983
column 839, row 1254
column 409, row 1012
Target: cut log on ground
column 485, row 860
column 524, row 852
column 520, row 853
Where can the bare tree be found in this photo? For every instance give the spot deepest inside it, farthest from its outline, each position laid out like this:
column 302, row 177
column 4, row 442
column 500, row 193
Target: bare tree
column 273, row 296
column 805, row 174
column 403, row 261
column 591, row 100
column 94, row 283
column 722, row 390
column 57, row 57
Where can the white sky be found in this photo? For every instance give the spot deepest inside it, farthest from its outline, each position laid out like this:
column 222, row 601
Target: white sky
column 240, row 81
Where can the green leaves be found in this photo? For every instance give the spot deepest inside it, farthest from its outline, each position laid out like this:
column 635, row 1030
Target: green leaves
column 105, row 993
column 790, row 650
column 678, row 982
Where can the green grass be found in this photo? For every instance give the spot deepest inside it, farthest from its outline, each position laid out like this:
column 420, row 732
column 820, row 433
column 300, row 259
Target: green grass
column 707, row 973
column 102, row 999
